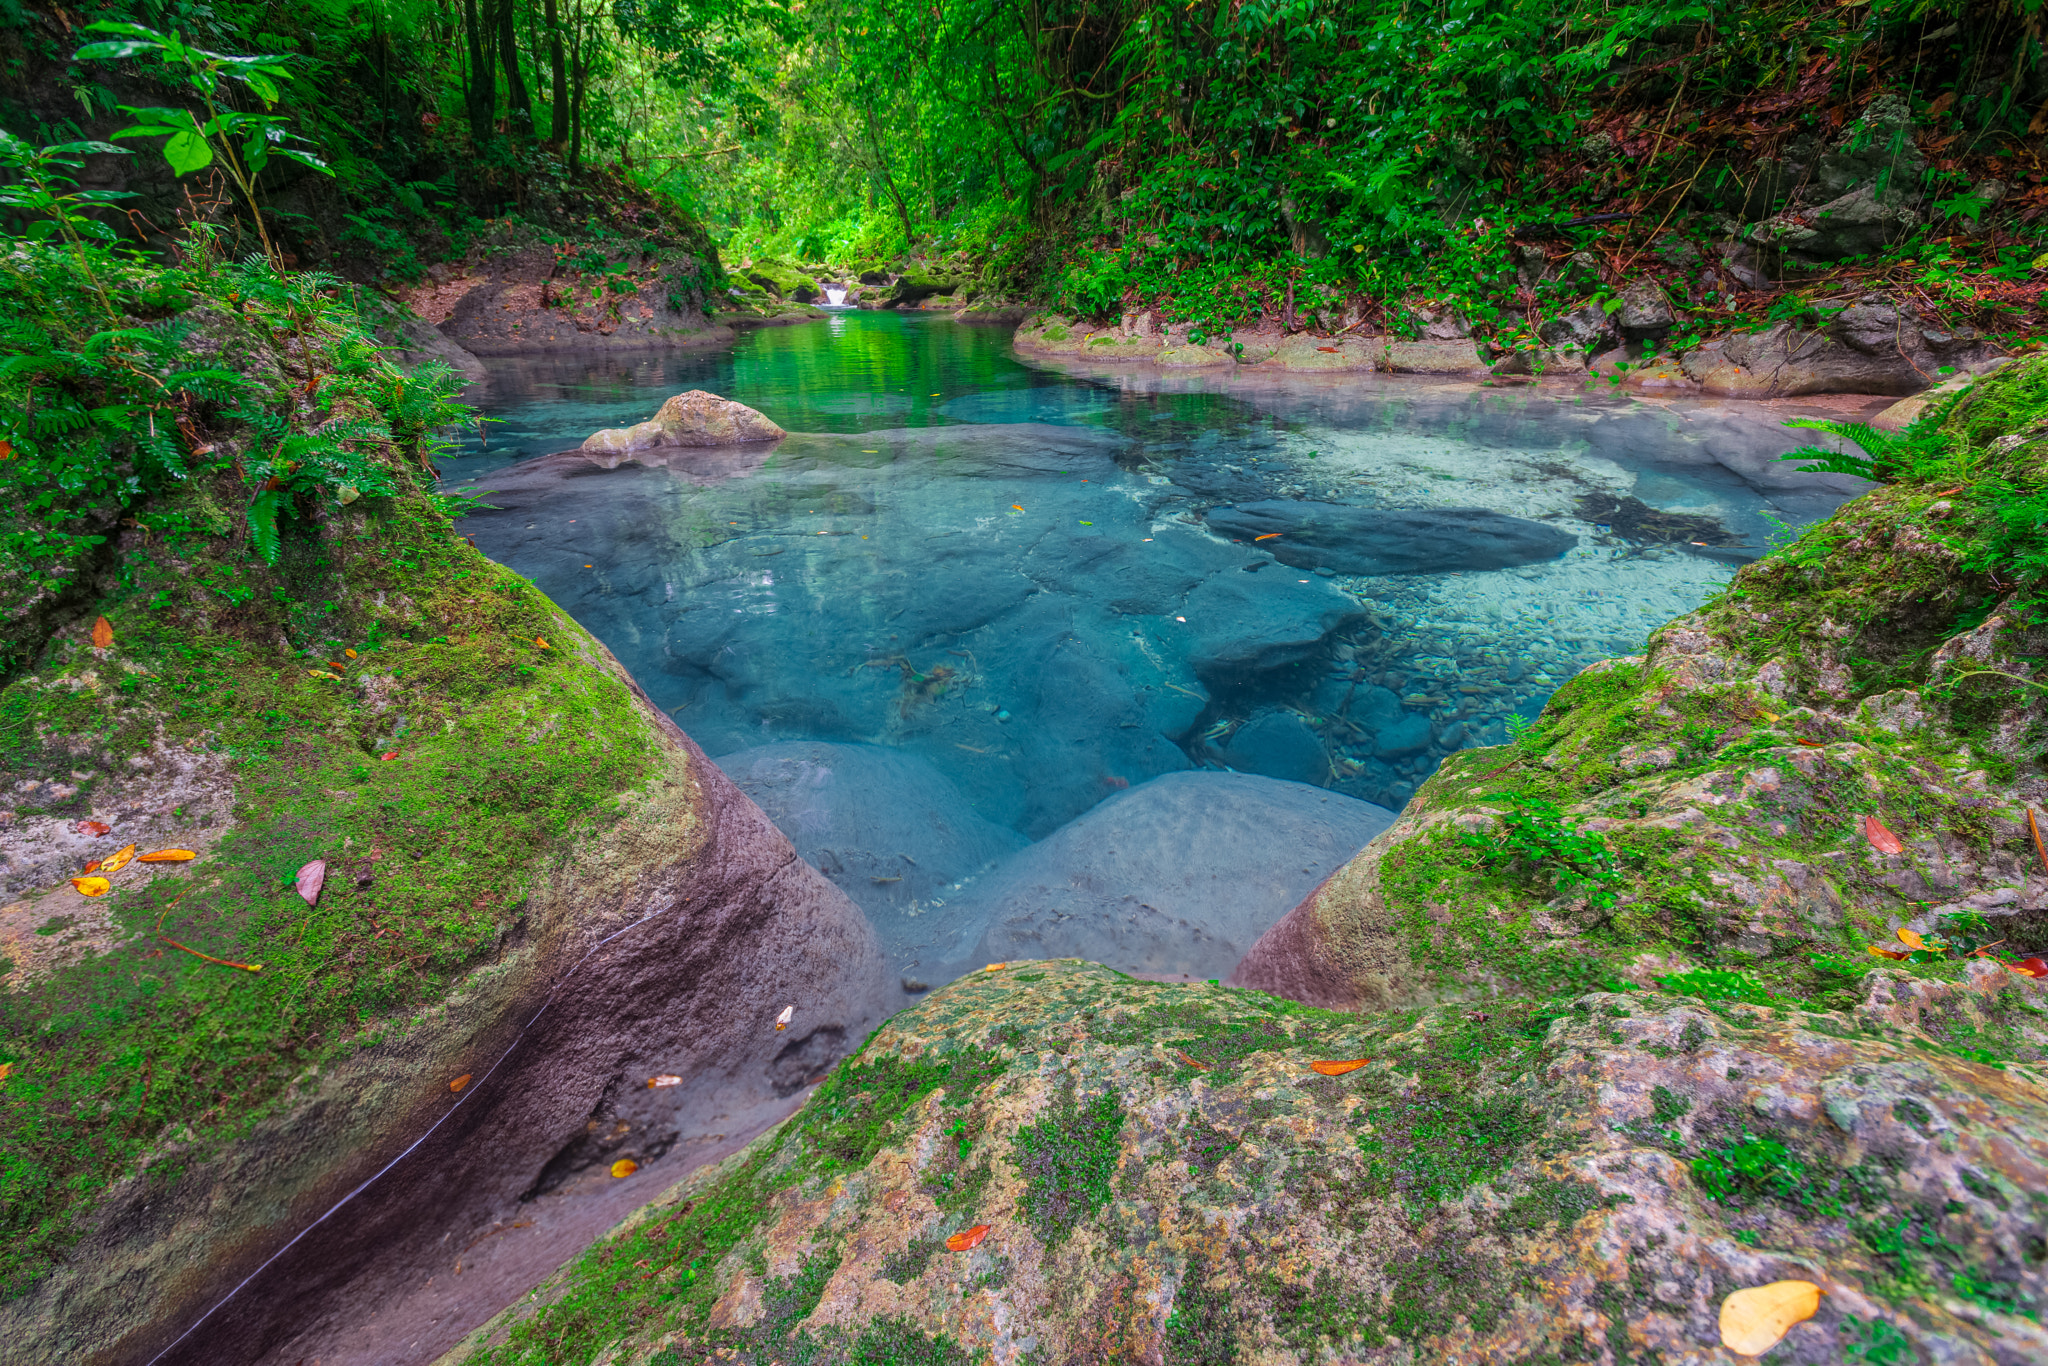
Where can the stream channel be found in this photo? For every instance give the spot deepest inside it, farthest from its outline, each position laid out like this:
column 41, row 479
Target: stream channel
column 1036, row 662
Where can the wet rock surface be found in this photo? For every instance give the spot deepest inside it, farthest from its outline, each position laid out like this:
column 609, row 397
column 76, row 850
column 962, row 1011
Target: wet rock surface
column 1355, row 540
column 887, row 828
column 694, row 419
column 1176, row 877
column 1155, row 1172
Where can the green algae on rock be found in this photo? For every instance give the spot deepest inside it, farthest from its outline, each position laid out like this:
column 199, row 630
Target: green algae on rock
column 1166, row 1179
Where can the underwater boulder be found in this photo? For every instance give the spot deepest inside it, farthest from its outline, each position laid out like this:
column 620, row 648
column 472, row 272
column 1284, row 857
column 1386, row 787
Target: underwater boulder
column 1174, row 877
column 885, row 826
column 1355, row 540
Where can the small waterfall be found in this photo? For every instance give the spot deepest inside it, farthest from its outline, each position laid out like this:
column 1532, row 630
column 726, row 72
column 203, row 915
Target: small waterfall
column 835, row 295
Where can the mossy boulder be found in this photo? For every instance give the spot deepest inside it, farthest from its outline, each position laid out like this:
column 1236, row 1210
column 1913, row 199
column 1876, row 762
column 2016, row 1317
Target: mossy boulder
column 1848, row 741
column 537, row 895
column 913, row 287
column 784, row 281
column 1050, row 1158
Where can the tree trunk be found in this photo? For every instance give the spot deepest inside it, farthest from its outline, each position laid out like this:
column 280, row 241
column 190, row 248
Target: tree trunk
column 518, row 104
column 481, row 93
column 889, row 181
column 576, row 91
column 558, row 106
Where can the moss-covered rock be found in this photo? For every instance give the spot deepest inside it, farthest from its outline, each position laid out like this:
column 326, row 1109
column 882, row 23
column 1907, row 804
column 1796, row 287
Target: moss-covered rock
column 537, row 893
column 784, row 281
column 1848, row 741
column 1052, row 1162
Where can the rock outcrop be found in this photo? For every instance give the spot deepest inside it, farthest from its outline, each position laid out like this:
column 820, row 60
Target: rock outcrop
column 459, row 891
column 1873, row 345
column 520, row 292
column 692, row 420
column 1053, row 1159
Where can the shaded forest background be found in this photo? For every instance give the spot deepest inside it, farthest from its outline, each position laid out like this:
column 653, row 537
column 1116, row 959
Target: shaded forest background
column 1089, row 152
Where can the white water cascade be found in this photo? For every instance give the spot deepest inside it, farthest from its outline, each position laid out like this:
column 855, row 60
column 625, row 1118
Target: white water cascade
column 835, row 295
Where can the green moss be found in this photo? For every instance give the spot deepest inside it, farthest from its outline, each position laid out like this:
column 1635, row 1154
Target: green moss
column 1068, row 1160
column 1202, row 1328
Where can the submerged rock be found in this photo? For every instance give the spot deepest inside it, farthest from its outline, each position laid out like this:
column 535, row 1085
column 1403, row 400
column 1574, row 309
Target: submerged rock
column 1054, row 1154
column 695, row 418
column 1177, row 876
column 1355, row 540
column 886, row 827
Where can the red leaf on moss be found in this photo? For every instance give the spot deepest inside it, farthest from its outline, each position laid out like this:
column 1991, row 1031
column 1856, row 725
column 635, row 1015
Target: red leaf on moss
column 2030, row 967
column 962, row 1242
column 1881, row 839
column 102, row 633
column 1338, row 1069
column 91, row 827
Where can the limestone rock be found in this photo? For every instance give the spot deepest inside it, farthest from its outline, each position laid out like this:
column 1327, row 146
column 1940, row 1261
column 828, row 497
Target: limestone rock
column 1583, row 332
column 1251, row 630
column 1157, row 1173
column 1645, row 316
column 1176, row 876
column 695, row 418
column 1874, row 345
column 1355, row 540
column 1858, row 223
column 784, row 281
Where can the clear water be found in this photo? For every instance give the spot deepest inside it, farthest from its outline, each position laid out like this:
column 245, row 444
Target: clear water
column 1001, row 569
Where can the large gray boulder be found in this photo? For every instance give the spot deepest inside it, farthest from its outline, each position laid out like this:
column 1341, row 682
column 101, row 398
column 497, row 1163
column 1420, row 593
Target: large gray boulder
column 1874, row 346
column 1175, row 877
column 1860, row 222
column 695, row 418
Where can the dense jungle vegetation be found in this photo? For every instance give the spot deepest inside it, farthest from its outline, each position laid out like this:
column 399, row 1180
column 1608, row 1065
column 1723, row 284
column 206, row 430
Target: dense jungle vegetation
column 1211, row 154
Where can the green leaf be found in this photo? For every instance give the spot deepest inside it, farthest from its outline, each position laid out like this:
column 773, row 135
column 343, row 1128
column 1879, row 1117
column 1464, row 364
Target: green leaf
column 104, row 52
column 187, row 152
column 263, row 523
column 265, row 88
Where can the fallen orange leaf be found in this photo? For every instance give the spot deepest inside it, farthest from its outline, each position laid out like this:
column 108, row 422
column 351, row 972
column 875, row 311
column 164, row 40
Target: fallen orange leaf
column 542, row 642
column 350, row 653
column 91, row 827
column 656, row 1083
column 1812, row 744
column 1911, row 940
column 2035, row 830
column 91, row 886
column 166, row 856
column 102, row 633
column 1881, row 839
column 970, row 1238
column 1182, row 1055
column 995, row 967
column 1016, row 507
column 459, row 1082
column 1755, row 1320
column 5, row 1068
column 1876, row 952
column 1338, row 1069
column 390, row 754
column 1271, row 535
column 118, row 860
column 2030, row 967
column 624, row 1167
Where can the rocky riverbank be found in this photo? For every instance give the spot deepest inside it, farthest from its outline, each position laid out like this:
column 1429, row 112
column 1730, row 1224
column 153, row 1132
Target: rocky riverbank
column 452, row 892
column 1872, row 344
